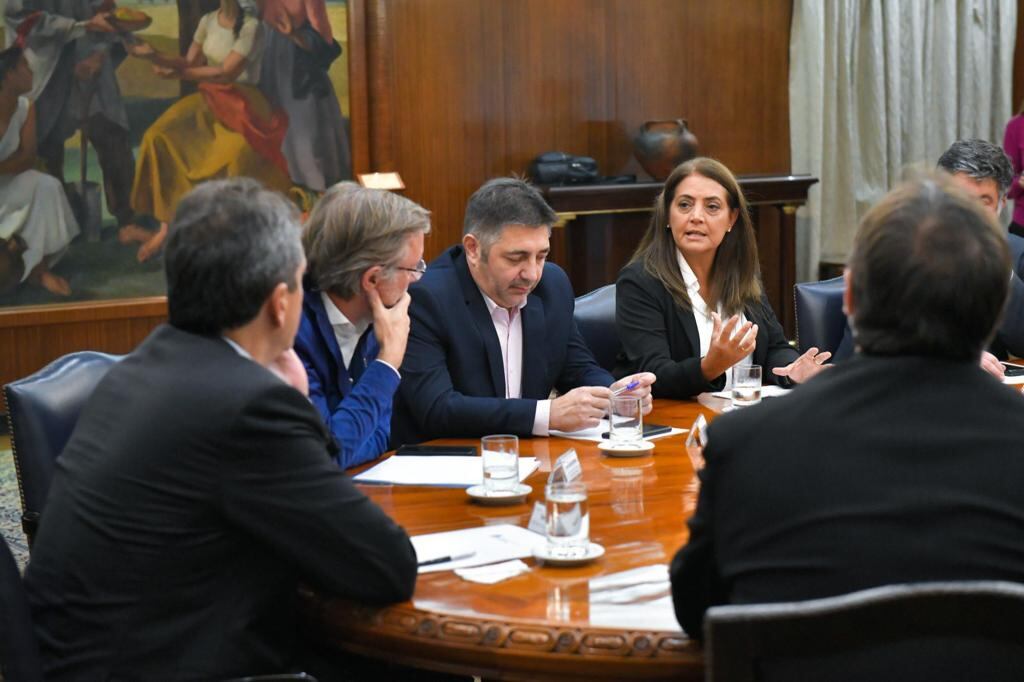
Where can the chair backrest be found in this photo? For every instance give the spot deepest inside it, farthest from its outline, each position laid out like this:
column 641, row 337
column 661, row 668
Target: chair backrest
column 42, row 410
column 19, row 651
column 595, row 317
column 820, row 321
column 923, row 631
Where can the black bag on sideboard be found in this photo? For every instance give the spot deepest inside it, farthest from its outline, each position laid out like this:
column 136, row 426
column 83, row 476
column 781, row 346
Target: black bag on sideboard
column 559, row 168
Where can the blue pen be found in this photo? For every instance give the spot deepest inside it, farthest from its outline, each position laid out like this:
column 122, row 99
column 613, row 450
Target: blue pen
column 625, row 389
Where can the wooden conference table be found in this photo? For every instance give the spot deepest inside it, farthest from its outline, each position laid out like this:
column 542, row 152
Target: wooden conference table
column 550, row 623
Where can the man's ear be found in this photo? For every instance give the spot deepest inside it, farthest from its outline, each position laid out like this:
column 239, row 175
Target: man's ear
column 472, row 247
column 849, row 306
column 371, row 277
column 277, row 304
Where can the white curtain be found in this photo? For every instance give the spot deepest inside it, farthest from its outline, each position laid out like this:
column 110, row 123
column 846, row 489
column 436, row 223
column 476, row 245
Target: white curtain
column 876, row 86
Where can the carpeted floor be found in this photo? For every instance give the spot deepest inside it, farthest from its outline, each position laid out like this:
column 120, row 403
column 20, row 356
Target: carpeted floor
column 10, row 506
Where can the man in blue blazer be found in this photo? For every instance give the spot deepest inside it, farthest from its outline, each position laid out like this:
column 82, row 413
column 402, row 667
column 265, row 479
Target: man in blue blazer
column 364, row 248
column 493, row 333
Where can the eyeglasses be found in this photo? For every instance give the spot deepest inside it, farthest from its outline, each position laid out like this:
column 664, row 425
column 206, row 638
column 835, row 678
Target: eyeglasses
column 418, row 271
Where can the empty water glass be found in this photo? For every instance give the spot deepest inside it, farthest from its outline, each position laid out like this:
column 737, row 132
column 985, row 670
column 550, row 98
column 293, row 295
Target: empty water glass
column 500, row 455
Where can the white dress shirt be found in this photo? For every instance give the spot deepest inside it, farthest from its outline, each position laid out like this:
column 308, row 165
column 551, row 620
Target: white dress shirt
column 509, row 328
column 346, row 333
column 705, row 325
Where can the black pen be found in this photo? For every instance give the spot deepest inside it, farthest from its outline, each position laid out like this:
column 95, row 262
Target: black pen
column 446, row 559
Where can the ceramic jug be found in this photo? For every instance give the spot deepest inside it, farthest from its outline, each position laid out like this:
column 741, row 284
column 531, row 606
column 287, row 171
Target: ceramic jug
column 660, row 146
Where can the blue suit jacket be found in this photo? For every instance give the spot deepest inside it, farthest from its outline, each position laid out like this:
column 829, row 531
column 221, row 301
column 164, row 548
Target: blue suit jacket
column 453, row 378
column 358, row 414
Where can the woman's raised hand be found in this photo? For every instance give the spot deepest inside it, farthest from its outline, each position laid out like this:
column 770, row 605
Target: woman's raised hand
column 731, row 341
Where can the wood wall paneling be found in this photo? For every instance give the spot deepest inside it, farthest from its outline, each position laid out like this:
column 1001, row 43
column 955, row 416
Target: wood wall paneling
column 469, row 90
column 33, row 336
column 452, row 92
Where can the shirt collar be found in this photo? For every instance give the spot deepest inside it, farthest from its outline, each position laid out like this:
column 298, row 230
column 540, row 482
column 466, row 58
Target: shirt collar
column 338, row 319
column 689, row 278
column 492, row 306
column 238, row 349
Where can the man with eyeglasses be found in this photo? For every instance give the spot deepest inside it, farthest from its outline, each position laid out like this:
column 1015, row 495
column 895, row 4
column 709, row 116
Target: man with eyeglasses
column 364, row 247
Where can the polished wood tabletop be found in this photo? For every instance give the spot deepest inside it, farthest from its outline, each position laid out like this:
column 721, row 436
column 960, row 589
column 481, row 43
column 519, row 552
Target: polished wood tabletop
column 549, row 623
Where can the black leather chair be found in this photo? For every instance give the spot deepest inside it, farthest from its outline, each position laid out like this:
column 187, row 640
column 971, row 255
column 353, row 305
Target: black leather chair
column 42, row 410
column 595, row 317
column 820, row 321
column 914, row 632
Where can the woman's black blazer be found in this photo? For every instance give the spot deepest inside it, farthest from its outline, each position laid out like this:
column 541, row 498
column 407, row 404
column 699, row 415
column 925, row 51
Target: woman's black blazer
column 659, row 336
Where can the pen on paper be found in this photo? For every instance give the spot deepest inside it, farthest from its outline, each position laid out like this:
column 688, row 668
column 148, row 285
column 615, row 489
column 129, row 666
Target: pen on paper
column 446, row 559
column 625, row 389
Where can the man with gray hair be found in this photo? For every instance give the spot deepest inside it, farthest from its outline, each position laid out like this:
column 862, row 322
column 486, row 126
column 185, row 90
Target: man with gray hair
column 493, row 333
column 198, row 487
column 364, row 248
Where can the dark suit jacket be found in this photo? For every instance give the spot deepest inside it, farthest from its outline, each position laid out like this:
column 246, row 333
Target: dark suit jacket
column 453, row 381
column 881, row 470
column 196, row 491
column 658, row 336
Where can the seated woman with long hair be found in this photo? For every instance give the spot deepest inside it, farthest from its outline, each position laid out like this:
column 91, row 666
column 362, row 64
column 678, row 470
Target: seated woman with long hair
column 690, row 305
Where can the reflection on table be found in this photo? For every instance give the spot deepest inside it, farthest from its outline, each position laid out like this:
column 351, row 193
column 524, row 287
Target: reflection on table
column 610, row 619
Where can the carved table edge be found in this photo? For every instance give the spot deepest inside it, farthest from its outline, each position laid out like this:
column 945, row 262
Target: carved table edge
column 405, row 622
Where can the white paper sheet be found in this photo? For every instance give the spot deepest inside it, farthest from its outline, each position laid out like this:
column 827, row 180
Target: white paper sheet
column 438, row 470
column 595, row 434
column 493, row 573
column 488, row 544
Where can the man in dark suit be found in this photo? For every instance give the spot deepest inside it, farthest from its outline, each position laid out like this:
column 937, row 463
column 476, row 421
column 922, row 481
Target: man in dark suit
column 198, row 487
column 904, row 463
column 493, row 333
column 984, row 171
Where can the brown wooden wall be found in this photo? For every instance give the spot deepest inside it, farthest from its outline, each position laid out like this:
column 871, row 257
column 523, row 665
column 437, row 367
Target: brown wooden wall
column 459, row 91
column 453, row 92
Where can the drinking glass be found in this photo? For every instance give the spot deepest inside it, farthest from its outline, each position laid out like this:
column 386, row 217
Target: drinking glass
column 500, row 455
column 746, row 385
column 568, row 519
column 626, row 419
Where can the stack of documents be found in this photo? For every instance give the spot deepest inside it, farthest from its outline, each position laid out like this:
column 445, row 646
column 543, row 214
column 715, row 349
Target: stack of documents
column 436, row 470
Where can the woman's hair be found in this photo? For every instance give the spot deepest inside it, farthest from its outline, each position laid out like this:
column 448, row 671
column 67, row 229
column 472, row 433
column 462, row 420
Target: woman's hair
column 735, row 271
column 246, row 8
column 8, row 61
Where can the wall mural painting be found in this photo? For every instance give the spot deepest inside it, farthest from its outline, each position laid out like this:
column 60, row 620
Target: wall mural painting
column 110, row 113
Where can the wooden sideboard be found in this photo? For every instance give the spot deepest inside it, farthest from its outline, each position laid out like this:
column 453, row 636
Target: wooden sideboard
column 600, row 226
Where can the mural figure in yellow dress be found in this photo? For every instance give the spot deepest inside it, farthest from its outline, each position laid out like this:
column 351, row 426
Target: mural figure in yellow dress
column 226, row 129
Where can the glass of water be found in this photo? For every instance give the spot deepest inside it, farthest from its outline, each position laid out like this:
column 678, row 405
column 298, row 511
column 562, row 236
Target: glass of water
column 568, row 519
column 626, row 419
column 746, row 385
column 500, row 455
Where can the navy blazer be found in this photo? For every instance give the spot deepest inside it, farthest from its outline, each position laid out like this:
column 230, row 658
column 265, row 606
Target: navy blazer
column 358, row 413
column 659, row 336
column 453, row 378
